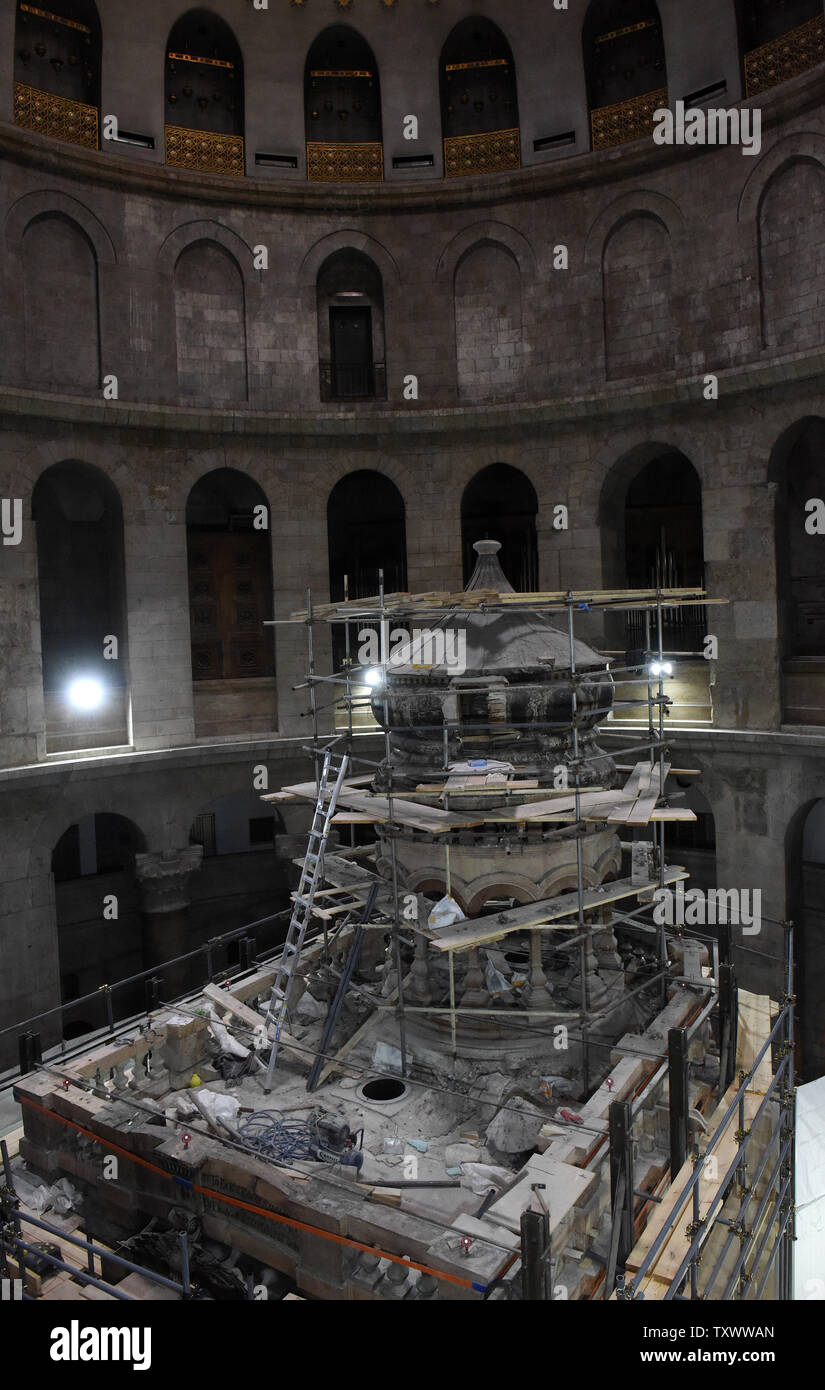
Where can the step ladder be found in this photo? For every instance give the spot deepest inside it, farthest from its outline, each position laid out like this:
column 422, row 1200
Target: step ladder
column 312, row 875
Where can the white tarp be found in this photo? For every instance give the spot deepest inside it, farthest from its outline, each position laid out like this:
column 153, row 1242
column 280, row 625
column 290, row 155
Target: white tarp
column 809, row 1249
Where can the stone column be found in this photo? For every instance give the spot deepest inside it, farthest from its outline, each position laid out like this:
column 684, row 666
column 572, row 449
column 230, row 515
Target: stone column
column 163, row 880
column 537, row 980
column 417, row 986
column 475, row 991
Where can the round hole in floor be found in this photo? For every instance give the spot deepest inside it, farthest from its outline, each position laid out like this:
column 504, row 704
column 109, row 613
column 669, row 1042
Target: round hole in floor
column 383, row 1088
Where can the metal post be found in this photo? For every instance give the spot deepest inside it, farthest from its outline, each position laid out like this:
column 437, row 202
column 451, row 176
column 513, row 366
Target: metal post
column 677, row 1042
column 402, row 1032
column 535, row 1250
column 728, row 1011
column 585, row 933
column 184, row 1265
column 621, row 1178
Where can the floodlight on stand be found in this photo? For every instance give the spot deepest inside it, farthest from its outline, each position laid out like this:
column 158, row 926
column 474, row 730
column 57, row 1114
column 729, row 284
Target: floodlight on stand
column 86, row 693
column 661, row 668
column 373, row 677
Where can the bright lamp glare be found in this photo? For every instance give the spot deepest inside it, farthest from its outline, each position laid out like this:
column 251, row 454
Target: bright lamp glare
column 86, row 693
column 661, row 668
column 372, row 677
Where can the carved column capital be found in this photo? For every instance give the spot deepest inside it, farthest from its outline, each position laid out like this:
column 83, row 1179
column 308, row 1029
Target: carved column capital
column 164, row 877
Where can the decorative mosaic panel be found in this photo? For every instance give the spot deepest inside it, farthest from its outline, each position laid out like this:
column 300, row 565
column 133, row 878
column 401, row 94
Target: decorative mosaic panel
column 627, row 120
column 57, row 117
column 204, row 151
column 482, row 154
column 797, row 51
column 342, row 163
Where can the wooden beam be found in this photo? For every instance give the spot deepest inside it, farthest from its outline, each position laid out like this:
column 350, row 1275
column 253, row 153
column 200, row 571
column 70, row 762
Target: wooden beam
column 546, row 914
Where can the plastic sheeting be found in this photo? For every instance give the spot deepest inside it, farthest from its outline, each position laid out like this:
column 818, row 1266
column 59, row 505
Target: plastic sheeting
column 809, row 1249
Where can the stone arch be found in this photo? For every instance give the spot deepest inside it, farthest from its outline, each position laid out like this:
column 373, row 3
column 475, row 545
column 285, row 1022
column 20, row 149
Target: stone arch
column 788, row 323
column 51, row 202
column 207, row 230
column 348, row 239
column 480, row 233
column 210, row 324
column 637, row 295
column 489, row 327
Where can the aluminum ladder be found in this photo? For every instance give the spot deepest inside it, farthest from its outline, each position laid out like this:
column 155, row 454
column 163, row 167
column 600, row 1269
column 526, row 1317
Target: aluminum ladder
column 312, row 874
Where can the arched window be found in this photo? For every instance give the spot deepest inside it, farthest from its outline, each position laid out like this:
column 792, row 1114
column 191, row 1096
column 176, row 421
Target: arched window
column 350, row 300
column 60, row 306
column 500, row 504
column 94, row 860
column 366, row 532
column 479, row 100
column 779, row 39
column 79, row 526
column 210, row 318
column 230, row 589
column 488, row 324
column 637, row 287
column 204, row 96
column 624, row 64
column 57, row 70
column 342, row 95
column 798, row 468
column 664, row 548
column 788, row 325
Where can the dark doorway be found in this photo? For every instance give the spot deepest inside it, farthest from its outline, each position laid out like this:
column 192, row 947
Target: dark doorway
column 500, row 504
column 664, row 547
column 351, row 342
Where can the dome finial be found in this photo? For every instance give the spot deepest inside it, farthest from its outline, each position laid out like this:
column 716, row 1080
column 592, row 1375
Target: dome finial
column 488, row 573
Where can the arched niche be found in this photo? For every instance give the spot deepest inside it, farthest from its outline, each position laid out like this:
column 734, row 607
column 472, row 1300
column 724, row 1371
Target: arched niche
column 479, row 100
column 57, row 69
column 637, row 290
column 351, row 344
column 625, row 69
column 500, row 504
column 81, row 578
column 210, row 321
column 204, row 94
column 342, row 103
column 60, row 306
column 488, row 323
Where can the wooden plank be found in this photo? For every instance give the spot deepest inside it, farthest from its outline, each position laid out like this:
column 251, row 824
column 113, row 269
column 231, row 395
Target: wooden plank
column 544, row 914
column 234, row 1006
column 344, row 1051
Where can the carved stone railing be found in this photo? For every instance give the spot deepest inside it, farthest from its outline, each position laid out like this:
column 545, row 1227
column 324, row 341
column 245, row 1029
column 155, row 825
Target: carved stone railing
column 204, row 151
column 345, row 163
column 482, row 154
column 626, row 120
column 797, row 51
column 55, row 116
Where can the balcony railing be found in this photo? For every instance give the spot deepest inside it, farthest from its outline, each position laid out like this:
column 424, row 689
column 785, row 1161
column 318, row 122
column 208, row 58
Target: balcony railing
column 204, row 151
column 345, row 382
column 627, row 120
column 797, row 51
column 345, row 163
column 55, row 116
column 482, row 154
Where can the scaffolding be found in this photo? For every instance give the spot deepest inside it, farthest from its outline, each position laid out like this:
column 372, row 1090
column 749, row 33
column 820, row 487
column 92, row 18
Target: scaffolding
column 713, row 1231
column 733, row 1185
